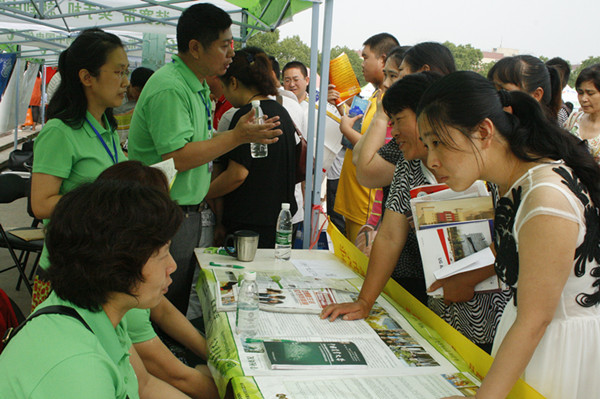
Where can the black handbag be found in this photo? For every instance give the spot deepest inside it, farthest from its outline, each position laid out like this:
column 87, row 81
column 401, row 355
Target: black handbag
column 21, row 160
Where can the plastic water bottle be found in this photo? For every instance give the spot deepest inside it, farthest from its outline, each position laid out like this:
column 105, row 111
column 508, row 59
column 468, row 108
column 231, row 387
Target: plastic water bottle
column 283, row 234
column 258, row 150
column 247, row 309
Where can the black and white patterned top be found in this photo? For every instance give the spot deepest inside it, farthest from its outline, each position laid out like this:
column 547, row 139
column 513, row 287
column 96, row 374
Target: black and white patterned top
column 391, row 152
column 476, row 319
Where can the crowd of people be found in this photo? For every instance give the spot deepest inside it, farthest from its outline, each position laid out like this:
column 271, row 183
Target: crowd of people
column 118, row 260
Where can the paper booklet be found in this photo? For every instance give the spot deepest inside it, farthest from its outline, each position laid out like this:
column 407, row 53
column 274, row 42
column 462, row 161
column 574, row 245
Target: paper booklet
column 292, row 355
column 283, row 294
column 343, row 77
column 454, row 232
column 168, row 168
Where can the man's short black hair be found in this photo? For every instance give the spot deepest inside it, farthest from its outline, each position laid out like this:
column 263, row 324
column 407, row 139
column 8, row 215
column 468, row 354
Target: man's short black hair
column 296, row 64
column 140, row 76
column 381, row 43
column 102, row 234
column 563, row 68
column 203, row 22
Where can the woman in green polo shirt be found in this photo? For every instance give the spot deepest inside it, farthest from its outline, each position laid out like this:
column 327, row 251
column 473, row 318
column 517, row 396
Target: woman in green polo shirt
column 108, row 245
column 80, row 140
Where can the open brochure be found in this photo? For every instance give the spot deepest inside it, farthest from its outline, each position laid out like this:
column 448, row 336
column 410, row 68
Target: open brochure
column 454, row 231
column 282, row 294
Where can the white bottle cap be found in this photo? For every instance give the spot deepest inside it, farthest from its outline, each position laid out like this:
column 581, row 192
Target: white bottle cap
column 255, row 103
column 250, row 276
column 285, row 206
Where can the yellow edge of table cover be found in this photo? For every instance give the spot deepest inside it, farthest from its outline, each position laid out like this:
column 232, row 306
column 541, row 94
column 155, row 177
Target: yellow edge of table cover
column 478, row 360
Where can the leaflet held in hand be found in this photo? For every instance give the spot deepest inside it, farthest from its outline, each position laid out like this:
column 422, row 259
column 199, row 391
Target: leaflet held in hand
column 454, row 232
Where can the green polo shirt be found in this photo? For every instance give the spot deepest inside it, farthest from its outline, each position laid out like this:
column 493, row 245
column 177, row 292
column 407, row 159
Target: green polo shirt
column 75, row 155
column 139, row 326
column 173, row 110
column 55, row 356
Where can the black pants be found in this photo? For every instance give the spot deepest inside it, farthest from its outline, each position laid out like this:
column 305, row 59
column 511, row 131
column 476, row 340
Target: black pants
column 336, row 218
column 182, row 250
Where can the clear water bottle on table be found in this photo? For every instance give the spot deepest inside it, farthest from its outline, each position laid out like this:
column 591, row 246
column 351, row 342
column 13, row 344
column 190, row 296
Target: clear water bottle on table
column 247, row 310
column 258, row 150
column 283, row 233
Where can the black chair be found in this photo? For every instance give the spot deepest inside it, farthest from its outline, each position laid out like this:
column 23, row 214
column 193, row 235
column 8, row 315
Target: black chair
column 12, row 187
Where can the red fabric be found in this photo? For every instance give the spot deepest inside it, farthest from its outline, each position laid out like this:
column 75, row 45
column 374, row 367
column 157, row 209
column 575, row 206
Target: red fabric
column 222, row 106
column 36, row 96
column 50, row 71
column 8, row 318
column 377, row 207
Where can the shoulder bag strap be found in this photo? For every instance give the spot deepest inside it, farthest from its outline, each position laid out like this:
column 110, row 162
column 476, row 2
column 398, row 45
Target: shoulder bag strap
column 55, row 309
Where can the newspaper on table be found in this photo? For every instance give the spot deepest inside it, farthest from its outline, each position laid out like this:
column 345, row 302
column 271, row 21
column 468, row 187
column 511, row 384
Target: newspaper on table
column 286, row 294
column 432, row 386
column 454, row 232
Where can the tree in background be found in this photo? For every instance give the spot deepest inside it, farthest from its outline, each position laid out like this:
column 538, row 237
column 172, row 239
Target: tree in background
column 574, row 73
column 485, row 68
column 466, row 57
column 294, row 49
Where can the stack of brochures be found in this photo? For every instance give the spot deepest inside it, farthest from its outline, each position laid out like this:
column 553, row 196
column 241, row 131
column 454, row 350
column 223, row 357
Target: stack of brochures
column 454, row 231
column 293, row 355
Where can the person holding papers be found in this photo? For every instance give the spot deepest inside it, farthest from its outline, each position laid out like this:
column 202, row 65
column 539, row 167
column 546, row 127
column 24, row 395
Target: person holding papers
column 546, row 229
column 476, row 315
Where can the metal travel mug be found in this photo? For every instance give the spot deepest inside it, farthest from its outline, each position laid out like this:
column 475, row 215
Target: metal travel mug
column 245, row 243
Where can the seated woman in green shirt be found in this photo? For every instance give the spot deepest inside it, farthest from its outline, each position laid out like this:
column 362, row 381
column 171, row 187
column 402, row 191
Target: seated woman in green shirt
column 108, row 245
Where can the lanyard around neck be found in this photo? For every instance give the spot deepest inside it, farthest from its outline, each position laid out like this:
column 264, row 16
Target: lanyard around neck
column 114, row 158
column 207, row 107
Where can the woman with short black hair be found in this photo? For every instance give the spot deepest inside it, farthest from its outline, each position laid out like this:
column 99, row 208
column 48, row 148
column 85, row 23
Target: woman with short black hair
column 108, row 245
column 585, row 123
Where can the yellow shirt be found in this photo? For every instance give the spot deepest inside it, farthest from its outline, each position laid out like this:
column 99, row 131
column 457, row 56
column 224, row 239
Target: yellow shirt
column 353, row 200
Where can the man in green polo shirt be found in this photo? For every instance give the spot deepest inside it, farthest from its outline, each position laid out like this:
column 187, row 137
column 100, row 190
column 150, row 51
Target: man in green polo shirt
column 172, row 119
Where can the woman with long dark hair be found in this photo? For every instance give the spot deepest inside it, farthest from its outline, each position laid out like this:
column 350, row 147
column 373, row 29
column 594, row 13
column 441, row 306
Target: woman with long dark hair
column 80, row 139
column 395, row 250
column 530, row 75
column 261, row 184
column 546, row 229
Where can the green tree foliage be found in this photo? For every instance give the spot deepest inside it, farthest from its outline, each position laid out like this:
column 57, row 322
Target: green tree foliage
column 574, row 73
column 286, row 50
column 294, row 49
column 466, row 57
column 485, row 68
